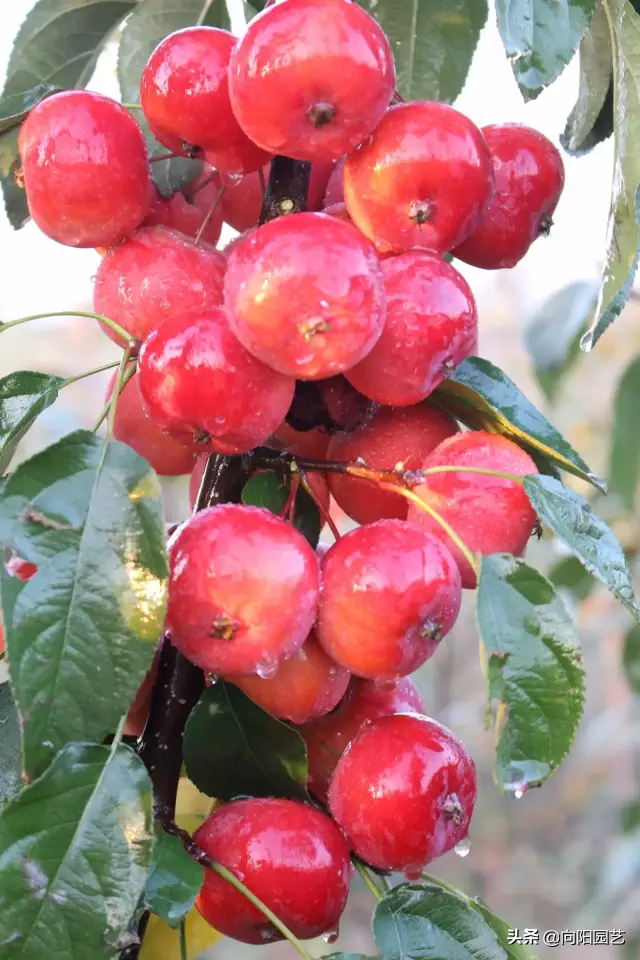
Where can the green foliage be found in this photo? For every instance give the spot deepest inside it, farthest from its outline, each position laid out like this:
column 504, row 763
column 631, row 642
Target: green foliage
column 82, row 632
column 570, row 574
column 15, row 107
column 533, row 668
column 433, row 42
column 272, row 490
column 232, row 747
column 75, row 850
column 631, row 658
column 174, row 881
column 10, row 759
column 624, row 464
column 23, row 397
column 591, row 119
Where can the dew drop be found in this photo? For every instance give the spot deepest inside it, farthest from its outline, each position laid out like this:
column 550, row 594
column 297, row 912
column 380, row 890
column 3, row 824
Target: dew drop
column 586, row 343
column 331, row 935
column 463, row 847
column 518, row 794
column 267, row 668
column 233, row 178
column 210, row 680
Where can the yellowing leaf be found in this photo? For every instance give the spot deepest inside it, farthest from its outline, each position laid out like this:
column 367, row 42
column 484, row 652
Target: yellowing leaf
column 162, row 943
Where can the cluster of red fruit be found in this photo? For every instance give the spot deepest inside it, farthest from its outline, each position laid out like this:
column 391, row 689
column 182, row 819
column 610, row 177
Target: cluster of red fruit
column 357, row 297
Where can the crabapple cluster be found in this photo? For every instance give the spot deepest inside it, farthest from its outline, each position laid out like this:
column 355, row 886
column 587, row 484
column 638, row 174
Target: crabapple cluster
column 325, row 334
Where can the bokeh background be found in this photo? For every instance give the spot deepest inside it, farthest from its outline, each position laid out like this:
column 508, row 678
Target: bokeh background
column 564, row 857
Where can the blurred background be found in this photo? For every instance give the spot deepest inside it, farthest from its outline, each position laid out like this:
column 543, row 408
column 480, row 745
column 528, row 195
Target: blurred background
column 564, row 857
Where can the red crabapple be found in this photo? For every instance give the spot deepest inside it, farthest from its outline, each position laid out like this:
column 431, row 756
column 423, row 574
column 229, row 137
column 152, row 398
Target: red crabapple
column 311, row 79
column 134, row 427
column 290, row 855
column 431, row 327
column 490, row 514
column 304, row 443
column 156, row 275
column 392, row 436
column 85, row 168
column 334, row 193
column 328, row 737
column 307, row 684
column 243, row 590
column 20, row 569
column 346, row 407
column 200, row 384
column 529, row 177
column 241, row 202
column 187, row 216
column 423, row 179
column 184, row 93
column 403, row 792
column 388, row 598
column 304, row 294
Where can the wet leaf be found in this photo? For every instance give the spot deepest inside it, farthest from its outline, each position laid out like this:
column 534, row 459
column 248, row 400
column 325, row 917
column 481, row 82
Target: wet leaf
column 23, row 397
column 174, row 881
column 10, row 763
column 533, row 668
column 75, row 850
column 570, row 574
column 15, row 106
column 483, row 397
column 624, row 464
column 540, row 37
column 591, row 119
column 433, row 42
column 232, row 747
column 631, row 658
column 15, row 203
column 573, row 520
column 271, row 490
column 82, row 632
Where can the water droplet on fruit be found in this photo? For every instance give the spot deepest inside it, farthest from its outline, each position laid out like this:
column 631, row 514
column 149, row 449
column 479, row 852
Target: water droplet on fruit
column 210, row 679
column 463, row 847
column 267, row 668
column 233, row 178
column 413, row 871
column 331, row 935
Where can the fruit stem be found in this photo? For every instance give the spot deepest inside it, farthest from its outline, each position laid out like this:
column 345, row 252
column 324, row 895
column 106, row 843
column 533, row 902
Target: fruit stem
column 131, row 106
column 324, row 513
column 203, row 226
column 121, row 332
column 123, row 376
column 183, row 941
column 90, row 373
column 287, row 189
column 368, row 879
column 489, row 473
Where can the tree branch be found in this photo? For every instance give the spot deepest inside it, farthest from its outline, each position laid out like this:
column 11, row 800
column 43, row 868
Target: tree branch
column 287, row 189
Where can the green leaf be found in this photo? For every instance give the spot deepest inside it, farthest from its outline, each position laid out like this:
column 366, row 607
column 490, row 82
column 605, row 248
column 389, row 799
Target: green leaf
column 483, row 397
column 572, row 519
column 347, row 956
column 591, row 119
column 75, row 850
column 15, row 203
column 174, row 881
column 15, row 107
column 150, row 23
column 534, row 670
column 10, row 762
column 60, row 40
column 552, row 336
column 9, row 152
column 425, row 921
column 271, row 490
column 540, row 37
column 23, row 397
column 232, row 747
column 630, row 817
column 624, row 464
column 631, row 658
column 570, row 574
column 433, row 43
column 623, row 239
column 81, row 633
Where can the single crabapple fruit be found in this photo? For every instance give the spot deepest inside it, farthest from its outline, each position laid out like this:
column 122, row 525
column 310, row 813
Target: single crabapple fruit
column 529, row 177
column 388, row 598
column 334, row 193
column 423, row 179
column 200, row 384
column 304, row 294
column 490, row 514
column 393, row 437
column 134, row 426
column 431, row 327
column 290, row 855
column 403, row 792
column 184, row 93
column 153, row 276
column 311, row 79
column 85, row 168
column 243, row 590
column 139, row 710
column 328, row 737
column 304, row 443
column 187, row 215
column 241, row 202
column 307, row 684
column 20, row 569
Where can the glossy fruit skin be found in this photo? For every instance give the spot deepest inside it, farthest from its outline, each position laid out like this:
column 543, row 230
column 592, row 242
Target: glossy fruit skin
column 187, row 216
column 242, row 200
column 153, row 276
column 133, row 426
column 200, row 384
column 529, row 178
column 184, row 93
column 403, row 792
column 335, row 190
column 81, row 152
column 423, row 179
column 304, row 294
column 392, row 435
column 306, row 443
column 388, row 598
column 291, row 856
column 490, row 514
column 243, row 590
column 431, row 327
column 311, row 79
column 328, row 737
column 307, row 684
column 346, row 407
